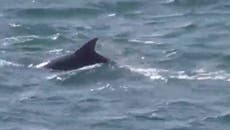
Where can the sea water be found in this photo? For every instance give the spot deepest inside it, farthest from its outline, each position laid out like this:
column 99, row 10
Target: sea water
column 170, row 69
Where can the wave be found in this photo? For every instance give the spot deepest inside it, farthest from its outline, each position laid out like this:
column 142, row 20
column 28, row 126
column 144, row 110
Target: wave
column 17, row 39
column 52, row 12
column 190, row 3
column 167, row 16
column 57, row 51
column 203, row 75
column 146, row 114
column 165, row 75
column 118, row 6
column 14, row 25
column 180, row 102
column 224, row 118
column 27, row 38
column 144, row 42
column 108, row 121
column 62, row 76
column 152, row 73
column 8, row 63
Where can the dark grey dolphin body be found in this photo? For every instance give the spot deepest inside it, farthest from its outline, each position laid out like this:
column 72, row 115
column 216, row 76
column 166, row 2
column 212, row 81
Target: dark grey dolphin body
column 84, row 56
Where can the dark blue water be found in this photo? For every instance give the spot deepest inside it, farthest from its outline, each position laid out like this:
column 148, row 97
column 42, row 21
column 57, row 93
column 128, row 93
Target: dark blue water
column 171, row 67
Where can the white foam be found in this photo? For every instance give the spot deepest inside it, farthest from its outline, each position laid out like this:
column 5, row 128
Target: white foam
column 112, row 14
column 62, row 75
column 89, row 67
column 14, row 25
column 56, row 51
column 152, row 73
column 18, row 39
column 142, row 41
column 199, row 74
column 55, row 76
column 26, row 38
column 27, row 95
column 54, row 36
column 149, row 42
column 170, row 1
column 42, row 64
column 101, row 88
column 8, row 63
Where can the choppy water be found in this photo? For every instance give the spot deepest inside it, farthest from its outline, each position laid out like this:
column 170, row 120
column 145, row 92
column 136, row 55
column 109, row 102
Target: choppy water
column 171, row 70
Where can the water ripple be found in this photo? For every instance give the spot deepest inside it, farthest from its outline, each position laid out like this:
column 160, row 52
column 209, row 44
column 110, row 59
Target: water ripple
column 53, row 12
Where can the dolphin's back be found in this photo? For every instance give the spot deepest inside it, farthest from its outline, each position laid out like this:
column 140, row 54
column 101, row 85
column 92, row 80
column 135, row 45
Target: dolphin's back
column 63, row 63
column 84, row 56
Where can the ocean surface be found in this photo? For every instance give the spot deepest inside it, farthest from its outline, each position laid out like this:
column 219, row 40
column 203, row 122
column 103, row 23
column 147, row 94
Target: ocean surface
column 170, row 69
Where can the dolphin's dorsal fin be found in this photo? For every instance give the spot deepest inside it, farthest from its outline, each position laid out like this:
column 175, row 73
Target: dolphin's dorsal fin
column 88, row 47
column 88, row 51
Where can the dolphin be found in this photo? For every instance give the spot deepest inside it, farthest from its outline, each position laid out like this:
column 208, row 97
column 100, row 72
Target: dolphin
column 84, row 56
